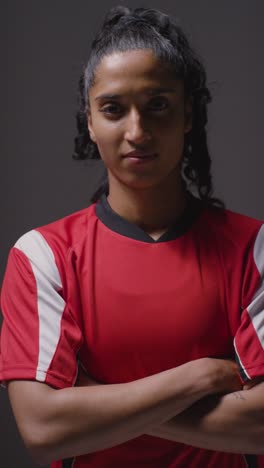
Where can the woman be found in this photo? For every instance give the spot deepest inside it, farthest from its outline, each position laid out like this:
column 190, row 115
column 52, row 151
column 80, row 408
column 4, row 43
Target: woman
column 150, row 292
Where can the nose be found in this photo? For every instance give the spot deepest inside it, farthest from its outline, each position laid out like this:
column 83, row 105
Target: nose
column 136, row 132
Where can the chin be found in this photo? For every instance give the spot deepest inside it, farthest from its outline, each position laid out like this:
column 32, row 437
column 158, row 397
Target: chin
column 143, row 184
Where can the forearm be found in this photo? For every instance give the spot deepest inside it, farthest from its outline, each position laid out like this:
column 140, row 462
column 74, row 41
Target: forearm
column 231, row 423
column 74, row 421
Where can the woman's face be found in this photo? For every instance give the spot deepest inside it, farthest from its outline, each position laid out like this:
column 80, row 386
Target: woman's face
column 137, row 105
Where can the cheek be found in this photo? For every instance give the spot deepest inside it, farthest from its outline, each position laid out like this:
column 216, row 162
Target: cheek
column 108, row 144
column 107, row 132
column 173, row 126
column 172, row 136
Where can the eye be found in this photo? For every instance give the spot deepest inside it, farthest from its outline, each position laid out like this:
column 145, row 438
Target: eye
column 159, row 104
column 112, row 108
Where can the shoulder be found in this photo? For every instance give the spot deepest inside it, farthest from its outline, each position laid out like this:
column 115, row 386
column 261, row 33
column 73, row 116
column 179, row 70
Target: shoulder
column 50, row 243
column 61, row 234
column 232, row 227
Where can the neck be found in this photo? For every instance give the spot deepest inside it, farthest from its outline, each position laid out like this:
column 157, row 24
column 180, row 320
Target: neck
column 151, row 209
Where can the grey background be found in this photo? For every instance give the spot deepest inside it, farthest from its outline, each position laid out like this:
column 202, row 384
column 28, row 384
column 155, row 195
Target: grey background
column 43, row 48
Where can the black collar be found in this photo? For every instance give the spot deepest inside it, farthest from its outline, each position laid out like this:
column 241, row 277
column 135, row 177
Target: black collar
column 120, row 225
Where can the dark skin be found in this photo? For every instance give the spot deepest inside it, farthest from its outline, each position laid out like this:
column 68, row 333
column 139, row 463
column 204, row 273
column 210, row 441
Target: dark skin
column 57, row 424
column 146, row 109
column 126, row 115
column 218, row 422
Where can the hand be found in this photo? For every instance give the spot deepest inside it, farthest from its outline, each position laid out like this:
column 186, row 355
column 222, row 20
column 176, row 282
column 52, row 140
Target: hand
column 251, row 383
column 223, row 375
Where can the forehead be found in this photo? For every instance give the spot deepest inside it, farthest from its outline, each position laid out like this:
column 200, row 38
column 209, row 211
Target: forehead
column 133, row 70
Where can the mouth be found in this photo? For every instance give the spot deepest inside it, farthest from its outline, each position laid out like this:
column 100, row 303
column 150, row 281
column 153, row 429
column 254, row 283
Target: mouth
column 140, row 156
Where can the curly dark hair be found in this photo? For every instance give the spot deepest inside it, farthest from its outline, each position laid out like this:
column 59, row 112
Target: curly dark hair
column 143, row 28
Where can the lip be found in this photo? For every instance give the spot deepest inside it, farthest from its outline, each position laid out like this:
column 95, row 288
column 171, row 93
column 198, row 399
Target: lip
column 140, row 155
column 140, row 159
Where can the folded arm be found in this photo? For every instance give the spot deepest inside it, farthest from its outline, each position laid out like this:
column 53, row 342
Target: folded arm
column 230, row 423
column 57, row 424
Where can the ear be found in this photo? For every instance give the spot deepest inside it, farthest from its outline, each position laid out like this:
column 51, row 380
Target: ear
column 188, row 115
column 90, row 127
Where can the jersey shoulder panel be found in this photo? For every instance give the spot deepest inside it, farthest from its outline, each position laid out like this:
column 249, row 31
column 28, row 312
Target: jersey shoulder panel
column 239, row 240
column 234, row 228
column 37, row 294
column 58, row 239
column 249, row 339
column 70, row 230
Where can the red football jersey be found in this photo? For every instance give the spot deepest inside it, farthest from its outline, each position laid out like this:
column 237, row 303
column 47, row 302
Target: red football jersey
column 94, row 289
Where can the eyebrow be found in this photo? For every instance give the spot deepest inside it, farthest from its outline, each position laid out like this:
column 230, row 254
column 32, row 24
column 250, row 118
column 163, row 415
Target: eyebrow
column 150, row 91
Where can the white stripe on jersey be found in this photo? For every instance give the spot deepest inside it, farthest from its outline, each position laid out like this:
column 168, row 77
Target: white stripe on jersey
column 256, row 307
column 240, row 362
column 49, row 303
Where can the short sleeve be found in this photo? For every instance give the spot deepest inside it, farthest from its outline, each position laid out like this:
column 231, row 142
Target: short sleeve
column 249, row 339
column 40, row 338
